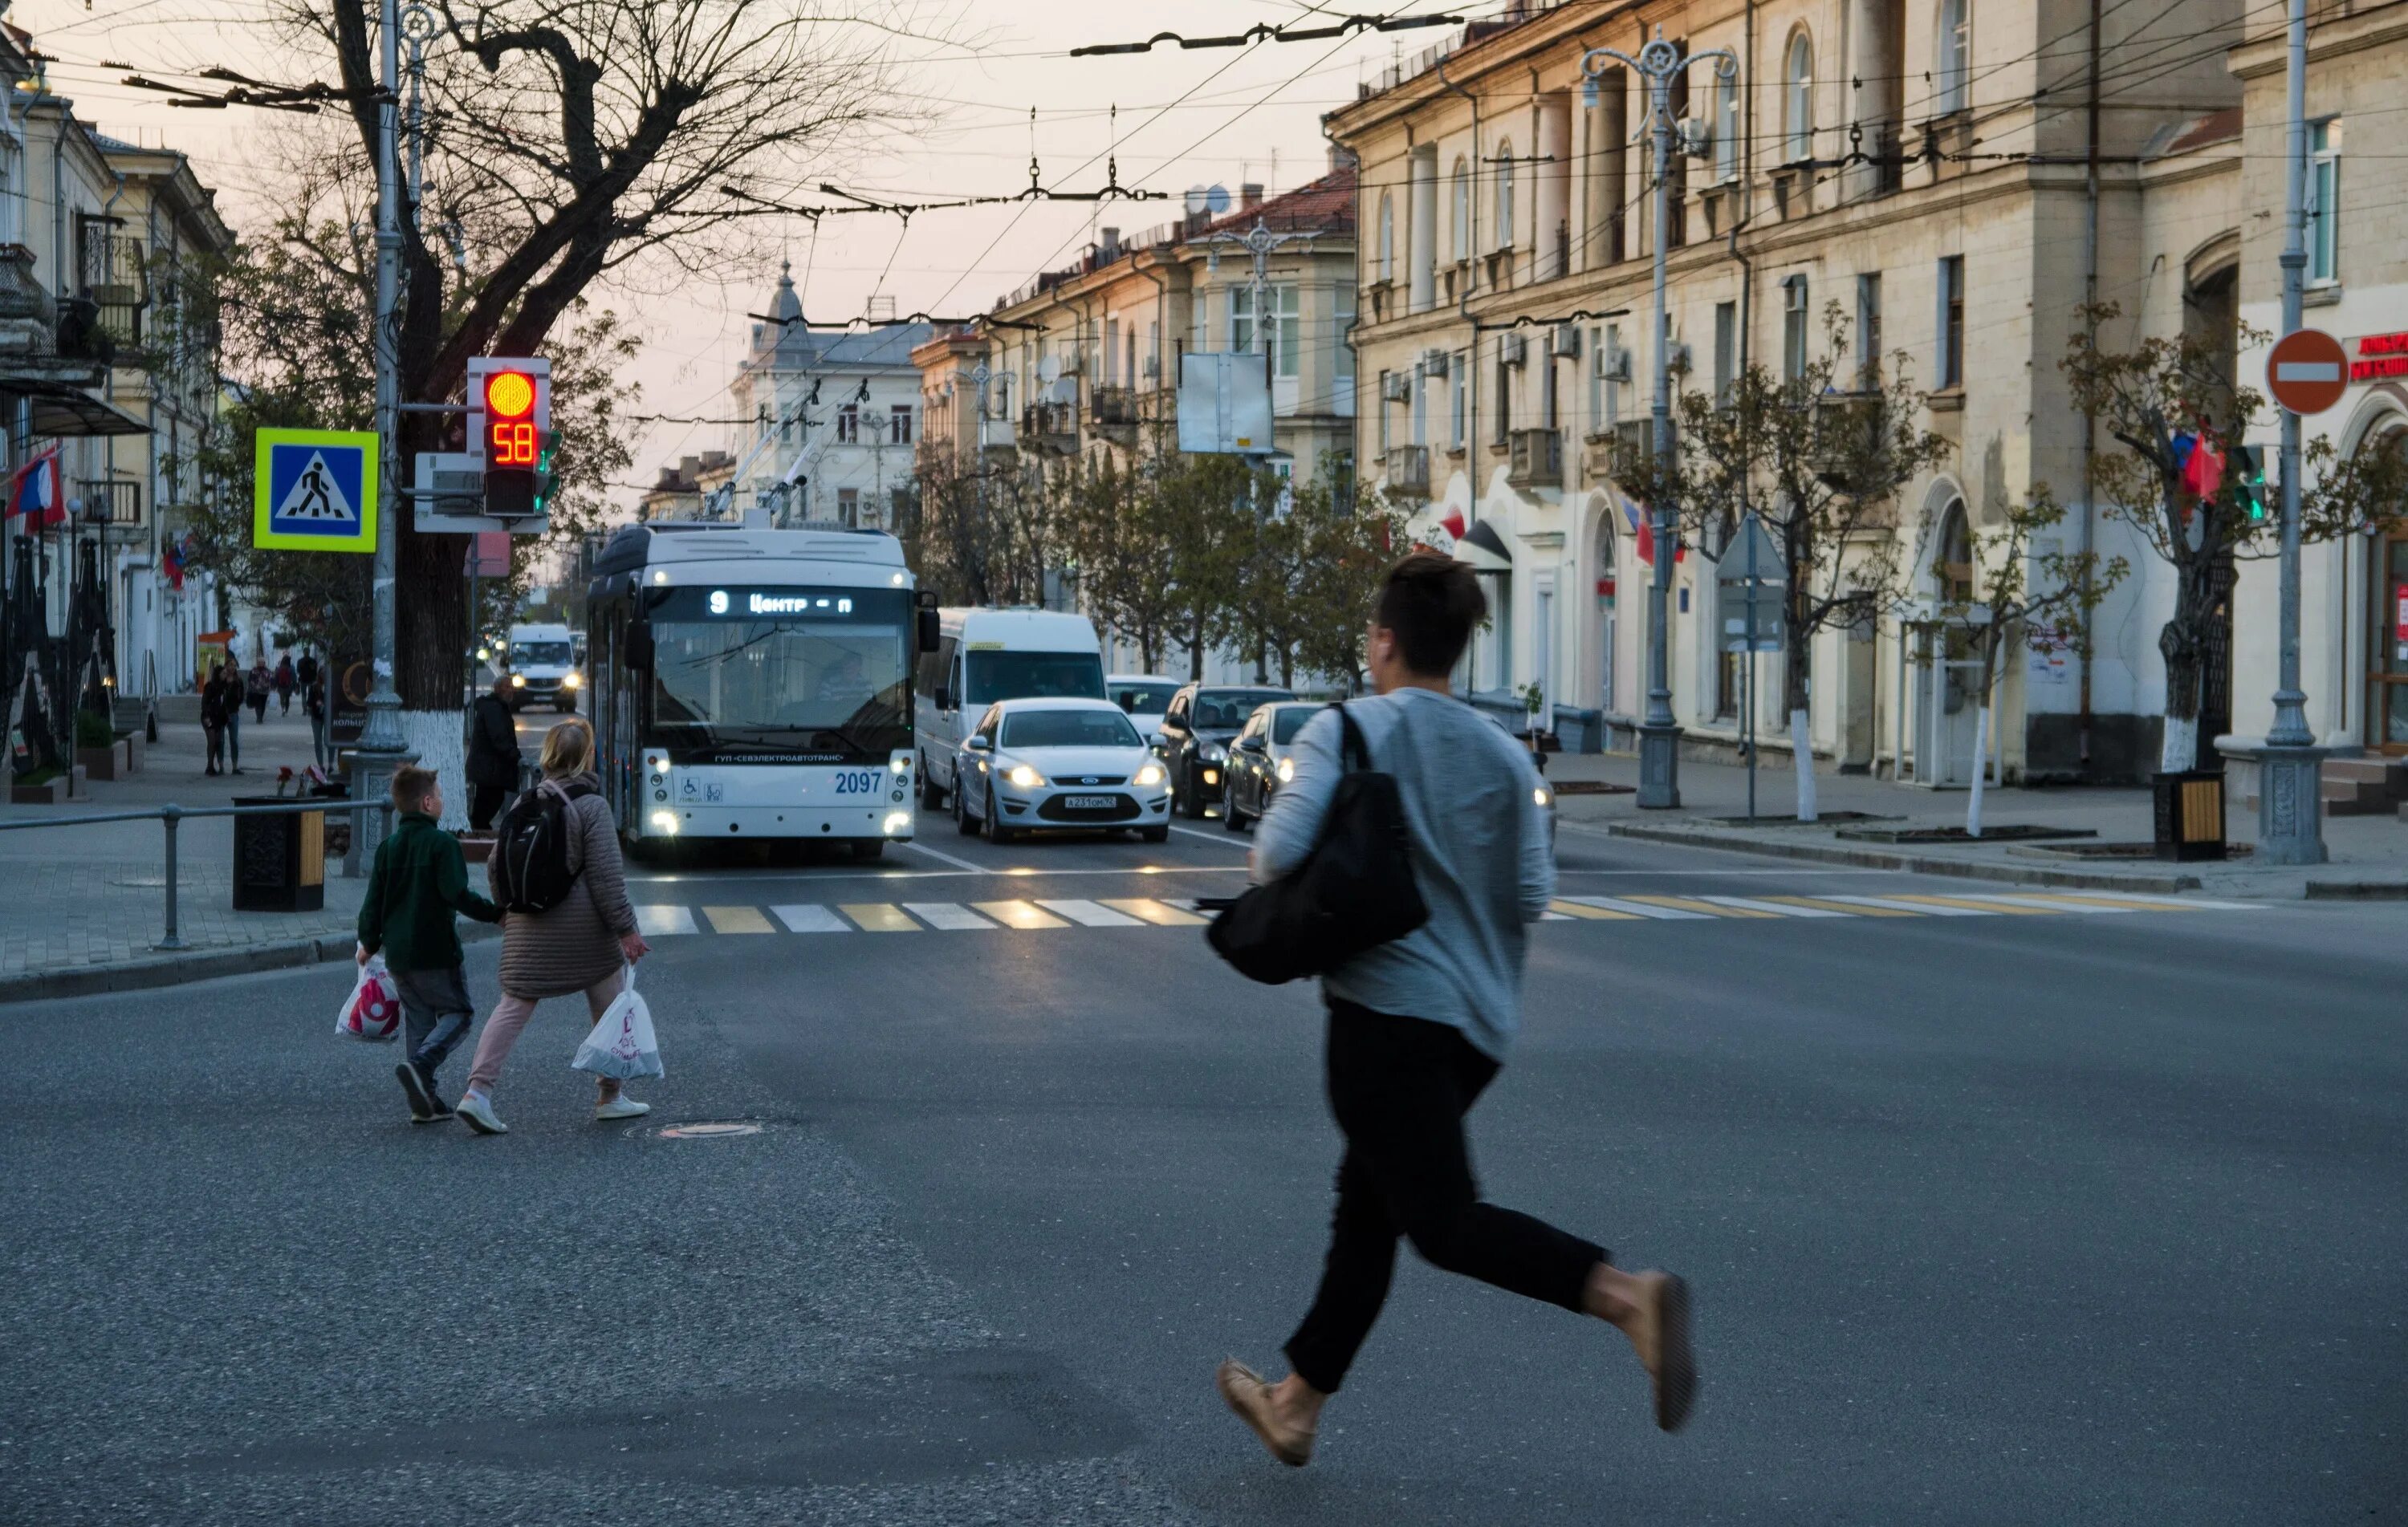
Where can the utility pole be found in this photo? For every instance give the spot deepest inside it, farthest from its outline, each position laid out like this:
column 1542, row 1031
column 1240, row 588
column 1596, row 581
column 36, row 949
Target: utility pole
column 382, row 749
column 2290, row 816
column 1659, row 736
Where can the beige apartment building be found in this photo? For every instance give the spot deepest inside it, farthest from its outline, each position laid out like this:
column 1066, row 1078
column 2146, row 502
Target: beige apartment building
column 1931, row 167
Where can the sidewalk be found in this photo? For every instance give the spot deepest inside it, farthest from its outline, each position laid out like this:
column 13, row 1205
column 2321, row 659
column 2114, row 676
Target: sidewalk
column 2369, row 854
column 88, row 902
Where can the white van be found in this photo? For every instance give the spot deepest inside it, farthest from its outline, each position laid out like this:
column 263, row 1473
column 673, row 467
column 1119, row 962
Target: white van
column 986, row 655
column 543, row 667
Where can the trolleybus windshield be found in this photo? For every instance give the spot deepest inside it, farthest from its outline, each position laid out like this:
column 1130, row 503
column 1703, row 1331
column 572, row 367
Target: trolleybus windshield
column 778, row 670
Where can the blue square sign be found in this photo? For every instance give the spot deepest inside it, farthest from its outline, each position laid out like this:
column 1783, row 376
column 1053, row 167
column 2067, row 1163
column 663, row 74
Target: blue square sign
column 314, row 490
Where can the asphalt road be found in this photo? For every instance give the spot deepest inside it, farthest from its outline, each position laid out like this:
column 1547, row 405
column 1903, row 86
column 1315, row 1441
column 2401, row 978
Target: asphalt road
column 2021, row 1210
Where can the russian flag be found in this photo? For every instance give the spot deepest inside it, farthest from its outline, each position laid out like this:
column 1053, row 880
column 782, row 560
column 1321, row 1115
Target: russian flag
column 1644, row 533
column 33, row 492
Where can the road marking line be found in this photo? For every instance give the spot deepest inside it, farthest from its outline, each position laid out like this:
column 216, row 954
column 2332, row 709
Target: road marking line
column 2016, row 909
column 1225, row 837
column 879, row 916
column 1828, row 905
column 811, row 920
column 661, row 922
column 1638, row 909
column 1703, row 909
column 737, row 920
column 2144, row 904
column 1594, row 914
column 946, row 917
column 1154, row 912
column 1927, row 909
column 1769, row 909
column 949, row 859
column 1022, row 914
column 1090, row 915
column 2060, row 904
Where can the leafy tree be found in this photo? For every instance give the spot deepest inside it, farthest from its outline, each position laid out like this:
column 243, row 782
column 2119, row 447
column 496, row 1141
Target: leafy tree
column 1317, row 568
column 1991, row 606
column 1819, row 457
column 978, row 532
column 2162, row 400
column 1121, row 542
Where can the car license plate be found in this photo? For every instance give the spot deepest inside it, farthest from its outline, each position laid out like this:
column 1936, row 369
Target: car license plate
column 1090, row 803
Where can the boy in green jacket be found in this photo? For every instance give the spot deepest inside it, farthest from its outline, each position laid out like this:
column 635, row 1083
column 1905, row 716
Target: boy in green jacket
column 419, row 883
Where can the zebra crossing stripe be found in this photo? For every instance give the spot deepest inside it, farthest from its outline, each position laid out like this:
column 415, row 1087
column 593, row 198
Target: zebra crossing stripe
column 2017, row 907
column 661, row 922
column 2124, row 902
column 1925, row 908
column 1836, row 909
column 2055, row 904
column 1701, row 907
column 1744, row 904
column 1016, row 914
column 946, row 917
column 1637, row 908
column 811, row 918
column 1089, row 915
column 1590, row 914
column 1154, row 912
column 737, row 920
column 879, row 916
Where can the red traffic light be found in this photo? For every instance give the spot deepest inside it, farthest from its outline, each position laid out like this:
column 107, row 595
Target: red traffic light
column 510, row 395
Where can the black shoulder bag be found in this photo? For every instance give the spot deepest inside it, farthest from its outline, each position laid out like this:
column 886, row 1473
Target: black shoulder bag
column 1354, row 893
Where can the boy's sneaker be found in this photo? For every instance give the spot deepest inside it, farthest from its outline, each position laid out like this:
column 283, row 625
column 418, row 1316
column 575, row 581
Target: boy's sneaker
column 478, row 1115
column 422, row 1105
column 622, row 1106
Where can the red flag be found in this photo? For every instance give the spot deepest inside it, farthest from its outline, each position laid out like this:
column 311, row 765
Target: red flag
column 2203, row 473
column 34, row 493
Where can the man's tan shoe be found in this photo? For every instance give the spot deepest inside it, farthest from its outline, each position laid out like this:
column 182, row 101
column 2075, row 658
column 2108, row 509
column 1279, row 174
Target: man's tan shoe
column 1251, row 1398
column 1661, row 1338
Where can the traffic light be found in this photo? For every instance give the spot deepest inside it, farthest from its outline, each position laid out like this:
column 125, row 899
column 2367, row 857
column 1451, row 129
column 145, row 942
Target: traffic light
column 2249, row 480
column 509, row 419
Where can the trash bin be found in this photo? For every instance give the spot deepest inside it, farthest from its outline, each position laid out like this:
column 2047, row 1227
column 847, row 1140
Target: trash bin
column 2189, row 814
column 279, row 858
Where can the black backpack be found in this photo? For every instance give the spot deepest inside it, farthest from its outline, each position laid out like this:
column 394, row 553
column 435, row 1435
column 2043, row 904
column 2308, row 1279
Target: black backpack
column 1354, row 893
column 531, row 849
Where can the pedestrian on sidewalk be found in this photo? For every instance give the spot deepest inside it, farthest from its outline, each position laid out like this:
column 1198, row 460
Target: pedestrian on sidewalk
column 493, row 753
column 285, row 680
column 1419, row 1026
column 419, row 884
column 257, row 686
column 214, row 700
column 583, row 944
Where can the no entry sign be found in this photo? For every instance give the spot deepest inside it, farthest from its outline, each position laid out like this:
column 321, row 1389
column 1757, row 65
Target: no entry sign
column 2308, row 371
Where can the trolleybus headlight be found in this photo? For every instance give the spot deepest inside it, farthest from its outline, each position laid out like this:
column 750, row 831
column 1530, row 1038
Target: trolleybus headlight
column 665, row 822
column 898, row 822
column 1150, row 775
column 901, row 766
column 1024, row 776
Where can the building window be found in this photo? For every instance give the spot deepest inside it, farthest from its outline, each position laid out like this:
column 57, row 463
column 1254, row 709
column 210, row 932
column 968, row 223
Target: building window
column 1610, row 361
column 1384, row 411
column 1725, row 351
column 1952, row 322
column 1504, row 195
column 1727, row 129
column 1387, row 238
column 848, row 425
column 1793, row 328
column 1199, row 332
column 1283, row 337
column 899, row 432
column 1798, row 100
column 785, row 427
column 1459, row 409
column 1869, row 332
column 2324, row 200
column 1462, row 212
column 1504, row 416
column 1955, row 53
column 1344, row 354
column 848, row 506
column 1598, row 359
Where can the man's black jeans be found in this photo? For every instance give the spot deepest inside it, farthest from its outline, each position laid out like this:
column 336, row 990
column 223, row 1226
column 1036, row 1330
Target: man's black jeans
column 1400, row 1088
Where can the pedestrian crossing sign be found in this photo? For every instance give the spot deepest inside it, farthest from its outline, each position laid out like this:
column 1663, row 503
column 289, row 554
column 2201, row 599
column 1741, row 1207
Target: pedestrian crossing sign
column 314, row 490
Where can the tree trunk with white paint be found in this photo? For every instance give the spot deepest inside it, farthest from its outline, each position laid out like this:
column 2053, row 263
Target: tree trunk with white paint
column 1802, row 746
column 2180, row 750
column 438, row 737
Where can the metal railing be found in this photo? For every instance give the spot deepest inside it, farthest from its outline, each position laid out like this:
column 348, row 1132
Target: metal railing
column 171, row 814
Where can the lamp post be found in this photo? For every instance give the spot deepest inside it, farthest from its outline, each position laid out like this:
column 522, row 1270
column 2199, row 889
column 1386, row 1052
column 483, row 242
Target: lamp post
column 1659, row 736
column 381, row 746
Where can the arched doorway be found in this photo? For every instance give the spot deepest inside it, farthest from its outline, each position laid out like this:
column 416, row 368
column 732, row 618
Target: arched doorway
column 2386, row 640
column 1947, row 661
column 1604, row 573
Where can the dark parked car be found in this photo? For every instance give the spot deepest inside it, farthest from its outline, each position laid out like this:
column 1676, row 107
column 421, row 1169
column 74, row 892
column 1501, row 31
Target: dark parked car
column 1203, row 719
column 1260, row 764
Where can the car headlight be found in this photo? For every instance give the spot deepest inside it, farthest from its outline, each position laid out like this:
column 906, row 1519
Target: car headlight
column 518, row 681
column 1214, row 752
column 1024, row 776
column 570, row 681
column 1150, row 775
column 1286, row 770
column 1541, row 795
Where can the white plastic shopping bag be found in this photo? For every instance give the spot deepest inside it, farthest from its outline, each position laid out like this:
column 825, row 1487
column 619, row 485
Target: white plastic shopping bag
column 372, row 1010
column 621, row 1046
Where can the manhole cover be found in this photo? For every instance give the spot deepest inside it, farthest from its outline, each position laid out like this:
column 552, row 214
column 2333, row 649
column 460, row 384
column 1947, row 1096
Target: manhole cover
column 723, row 1129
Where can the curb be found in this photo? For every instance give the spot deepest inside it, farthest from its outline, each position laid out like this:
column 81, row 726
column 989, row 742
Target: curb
column 199, row 965
column 2357, row 891
column 1970, row 869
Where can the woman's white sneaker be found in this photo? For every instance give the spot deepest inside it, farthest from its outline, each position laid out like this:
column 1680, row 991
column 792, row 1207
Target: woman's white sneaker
column 478, row 1115
column 622, row 1106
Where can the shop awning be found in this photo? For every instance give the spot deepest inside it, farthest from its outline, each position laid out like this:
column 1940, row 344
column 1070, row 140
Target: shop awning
column 60, row 411
column 1484, row 550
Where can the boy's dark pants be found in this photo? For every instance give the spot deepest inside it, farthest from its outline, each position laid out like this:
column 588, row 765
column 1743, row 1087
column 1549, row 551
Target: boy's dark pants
column 435, row 1012
column 1400, row 1087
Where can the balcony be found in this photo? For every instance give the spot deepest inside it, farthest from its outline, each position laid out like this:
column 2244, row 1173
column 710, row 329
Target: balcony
column 1535, row 459
column 997, row 435
column 1117, row 412
column 110, row 501
column 1847, row 436
column 1407, row 470
column 1051, row 426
